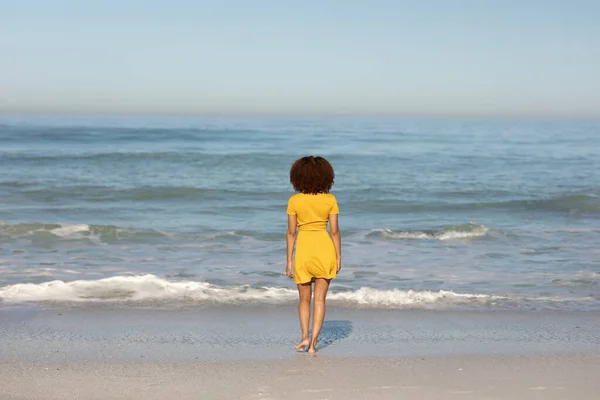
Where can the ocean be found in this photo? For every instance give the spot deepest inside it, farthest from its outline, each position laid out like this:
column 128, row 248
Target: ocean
column 180, row 212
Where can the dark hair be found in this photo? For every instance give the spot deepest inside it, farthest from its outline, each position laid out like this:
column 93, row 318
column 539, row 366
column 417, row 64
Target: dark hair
column 312, row 175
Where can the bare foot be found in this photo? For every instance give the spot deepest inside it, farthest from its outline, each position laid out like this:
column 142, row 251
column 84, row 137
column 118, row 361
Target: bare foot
column 312, row 350
column 302, row 345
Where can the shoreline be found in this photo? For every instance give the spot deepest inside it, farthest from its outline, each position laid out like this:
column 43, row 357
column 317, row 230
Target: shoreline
column 226, row 333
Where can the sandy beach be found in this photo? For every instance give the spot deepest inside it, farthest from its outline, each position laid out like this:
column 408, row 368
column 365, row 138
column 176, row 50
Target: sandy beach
column 246, row 353
column 304, row 377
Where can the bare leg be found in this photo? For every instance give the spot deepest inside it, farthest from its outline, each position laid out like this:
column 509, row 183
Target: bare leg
column 305, row 293
column 321, row 287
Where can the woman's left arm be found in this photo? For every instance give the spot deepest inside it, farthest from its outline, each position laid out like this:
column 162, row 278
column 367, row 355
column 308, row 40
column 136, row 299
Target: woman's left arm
column 290, row 240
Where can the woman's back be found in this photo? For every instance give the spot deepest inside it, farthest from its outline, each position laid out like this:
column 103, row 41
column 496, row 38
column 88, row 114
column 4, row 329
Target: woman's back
column 312, row 210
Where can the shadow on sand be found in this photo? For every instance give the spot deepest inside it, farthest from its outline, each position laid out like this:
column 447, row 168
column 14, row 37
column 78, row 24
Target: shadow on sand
column 332, row 331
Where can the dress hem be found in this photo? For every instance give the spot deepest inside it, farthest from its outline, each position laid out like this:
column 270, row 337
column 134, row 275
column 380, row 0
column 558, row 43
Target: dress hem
column 313, row 278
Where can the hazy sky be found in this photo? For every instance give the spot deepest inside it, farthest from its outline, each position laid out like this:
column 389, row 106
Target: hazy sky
column 419, row 57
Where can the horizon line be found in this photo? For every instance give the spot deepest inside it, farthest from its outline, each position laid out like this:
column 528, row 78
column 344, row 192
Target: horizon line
column 275, row 114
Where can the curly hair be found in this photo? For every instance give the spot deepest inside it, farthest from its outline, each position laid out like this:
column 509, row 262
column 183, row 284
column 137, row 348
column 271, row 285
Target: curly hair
column 312, row 175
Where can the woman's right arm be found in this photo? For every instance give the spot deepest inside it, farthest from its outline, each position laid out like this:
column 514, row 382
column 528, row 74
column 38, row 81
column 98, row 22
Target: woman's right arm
column 337, row 238
column 290, row 240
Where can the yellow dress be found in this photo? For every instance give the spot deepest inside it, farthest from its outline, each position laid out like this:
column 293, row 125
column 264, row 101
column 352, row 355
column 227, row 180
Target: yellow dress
column 315, row 255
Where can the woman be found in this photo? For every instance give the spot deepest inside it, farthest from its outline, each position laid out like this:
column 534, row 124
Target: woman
column 318, row 256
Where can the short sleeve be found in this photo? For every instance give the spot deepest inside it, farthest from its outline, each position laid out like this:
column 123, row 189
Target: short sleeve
column 290, row 207
column 334, row 207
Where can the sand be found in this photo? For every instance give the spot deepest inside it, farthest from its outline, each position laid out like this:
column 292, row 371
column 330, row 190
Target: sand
column 261, row 333
column 306, row 377
column 246, row 353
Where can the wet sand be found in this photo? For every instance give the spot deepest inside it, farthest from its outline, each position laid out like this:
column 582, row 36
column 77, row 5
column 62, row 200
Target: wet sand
column 269, row 333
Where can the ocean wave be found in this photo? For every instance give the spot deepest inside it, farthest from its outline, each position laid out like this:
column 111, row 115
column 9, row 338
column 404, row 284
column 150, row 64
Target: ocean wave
column 17, row 184
column 115, row 130
column 48, row 233
column 152, row 288
column 573, row 204
column 104, row 193
column 146, row 193
column 465, row 231
column 93, row 193
column 92, row 233
column 196, row 156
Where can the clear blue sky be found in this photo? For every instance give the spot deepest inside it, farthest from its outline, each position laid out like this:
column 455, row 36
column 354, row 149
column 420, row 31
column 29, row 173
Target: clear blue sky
column 418, row 57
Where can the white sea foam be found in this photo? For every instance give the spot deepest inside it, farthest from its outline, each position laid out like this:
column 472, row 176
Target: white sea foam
column 390, row 234
column 475, row 231
column 68, row 230
column 405, row 298
column 465, row 231
column 137, row 288
column 152, row 288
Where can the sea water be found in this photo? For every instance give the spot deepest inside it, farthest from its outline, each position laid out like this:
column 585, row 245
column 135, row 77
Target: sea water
column 146, row 211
